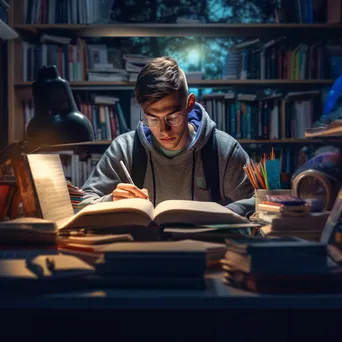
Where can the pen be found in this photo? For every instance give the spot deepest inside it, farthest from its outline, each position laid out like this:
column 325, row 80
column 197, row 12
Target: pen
column 128, row 175
column 126, row 172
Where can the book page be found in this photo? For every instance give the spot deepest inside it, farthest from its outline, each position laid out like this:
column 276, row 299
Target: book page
column 195, row 212
column 125, row 212
column 50, row 184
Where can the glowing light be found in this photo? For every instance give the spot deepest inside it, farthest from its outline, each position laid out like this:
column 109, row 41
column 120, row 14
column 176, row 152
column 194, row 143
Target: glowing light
column 194, row 56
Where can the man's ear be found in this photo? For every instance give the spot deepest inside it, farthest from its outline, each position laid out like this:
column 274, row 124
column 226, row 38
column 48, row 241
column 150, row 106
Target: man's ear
column 191, row 102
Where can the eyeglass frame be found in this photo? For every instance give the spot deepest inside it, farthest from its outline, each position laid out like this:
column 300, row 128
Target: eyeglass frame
column 165, row 117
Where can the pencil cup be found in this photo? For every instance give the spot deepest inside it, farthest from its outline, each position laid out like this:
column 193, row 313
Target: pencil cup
column 260, row 195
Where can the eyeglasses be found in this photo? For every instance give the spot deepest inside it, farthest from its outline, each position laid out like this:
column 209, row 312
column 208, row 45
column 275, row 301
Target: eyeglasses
column 174, row 119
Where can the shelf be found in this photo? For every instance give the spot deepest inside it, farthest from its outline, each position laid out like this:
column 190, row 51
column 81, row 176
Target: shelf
column 183, row 30
column 6, row 32
column 100, row 145
column 201, row 83
column 290, row 141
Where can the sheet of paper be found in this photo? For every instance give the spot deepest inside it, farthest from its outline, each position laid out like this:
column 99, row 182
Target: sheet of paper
column 49, row 181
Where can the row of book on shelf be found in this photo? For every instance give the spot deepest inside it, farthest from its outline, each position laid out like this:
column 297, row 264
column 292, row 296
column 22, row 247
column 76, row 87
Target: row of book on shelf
column 105, row 114
column 78, row 60
column 243, row 116
column 249, row 116
column 309, row 11
column 282, row 58
column 67, row 11
column 92, row 11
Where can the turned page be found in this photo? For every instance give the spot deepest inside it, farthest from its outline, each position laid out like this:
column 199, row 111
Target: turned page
column 50, row 185
column 132, row 211
column 195, row 212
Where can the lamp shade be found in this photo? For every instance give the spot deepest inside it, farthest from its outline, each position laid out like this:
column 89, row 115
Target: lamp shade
column 56, row 119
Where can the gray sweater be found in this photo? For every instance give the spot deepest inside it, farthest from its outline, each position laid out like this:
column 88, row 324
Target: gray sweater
column 173, row 177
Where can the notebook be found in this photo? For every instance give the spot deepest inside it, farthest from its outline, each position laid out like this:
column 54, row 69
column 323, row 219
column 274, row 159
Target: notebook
column 44, row 267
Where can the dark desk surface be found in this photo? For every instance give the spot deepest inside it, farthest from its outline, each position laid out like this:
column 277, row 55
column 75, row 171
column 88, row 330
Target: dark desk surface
column 217, row 295
column 217, row 313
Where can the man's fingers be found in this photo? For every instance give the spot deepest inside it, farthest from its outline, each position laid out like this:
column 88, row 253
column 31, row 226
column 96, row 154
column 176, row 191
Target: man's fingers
column 145, row 191
column 123, row 194
column 132, row 189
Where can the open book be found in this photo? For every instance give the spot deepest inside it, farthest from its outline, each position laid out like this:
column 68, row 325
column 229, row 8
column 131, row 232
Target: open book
column 52, row 202
column 140, row 212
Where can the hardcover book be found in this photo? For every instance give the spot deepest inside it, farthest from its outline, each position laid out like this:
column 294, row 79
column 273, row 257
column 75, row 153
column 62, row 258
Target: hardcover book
column 48, row 198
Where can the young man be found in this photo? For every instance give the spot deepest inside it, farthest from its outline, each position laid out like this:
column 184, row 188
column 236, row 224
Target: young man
column 173, row 132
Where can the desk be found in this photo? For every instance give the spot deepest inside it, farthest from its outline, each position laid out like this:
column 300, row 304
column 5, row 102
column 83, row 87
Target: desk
column 220, row 311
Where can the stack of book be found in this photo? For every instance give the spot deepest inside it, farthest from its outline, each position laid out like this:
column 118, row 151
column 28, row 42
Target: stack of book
column 331, row 129
column 279, row 265
column 285, row 205
column 88, row 247
column 134, row 64
column 154, row 265
column 76, row 195
column 285, row 215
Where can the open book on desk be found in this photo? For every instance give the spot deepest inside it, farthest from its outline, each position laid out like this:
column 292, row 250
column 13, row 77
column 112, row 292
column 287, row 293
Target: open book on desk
column 48, row 190
column 140, row 212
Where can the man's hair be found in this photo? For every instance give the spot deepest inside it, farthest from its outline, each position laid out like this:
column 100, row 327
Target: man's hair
column 158, row 79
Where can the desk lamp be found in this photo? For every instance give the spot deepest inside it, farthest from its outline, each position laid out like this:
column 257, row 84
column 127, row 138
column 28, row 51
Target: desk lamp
column 56, row 120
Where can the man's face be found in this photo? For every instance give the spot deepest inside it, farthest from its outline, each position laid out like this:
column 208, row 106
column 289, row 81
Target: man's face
column 175, row 110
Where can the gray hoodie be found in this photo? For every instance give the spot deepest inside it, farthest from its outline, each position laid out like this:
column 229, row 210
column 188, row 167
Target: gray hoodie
column 172, row 178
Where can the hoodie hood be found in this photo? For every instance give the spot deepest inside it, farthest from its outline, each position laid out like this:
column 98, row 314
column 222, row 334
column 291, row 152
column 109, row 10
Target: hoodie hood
column 198, row 117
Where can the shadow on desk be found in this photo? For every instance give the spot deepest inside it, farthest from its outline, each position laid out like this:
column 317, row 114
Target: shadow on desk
column 218, row 313
column 212, row 324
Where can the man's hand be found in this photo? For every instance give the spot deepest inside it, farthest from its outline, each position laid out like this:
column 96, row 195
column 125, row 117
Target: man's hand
column 126, row 190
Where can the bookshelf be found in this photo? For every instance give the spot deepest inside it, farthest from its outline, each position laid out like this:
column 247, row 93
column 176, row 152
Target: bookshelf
column 19, row 89
column 198, row 84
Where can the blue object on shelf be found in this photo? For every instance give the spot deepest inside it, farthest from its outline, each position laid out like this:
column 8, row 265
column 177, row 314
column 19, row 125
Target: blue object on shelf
column 333, row 96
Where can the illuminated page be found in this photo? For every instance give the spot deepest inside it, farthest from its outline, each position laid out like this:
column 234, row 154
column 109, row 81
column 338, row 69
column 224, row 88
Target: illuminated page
column 50, row 184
